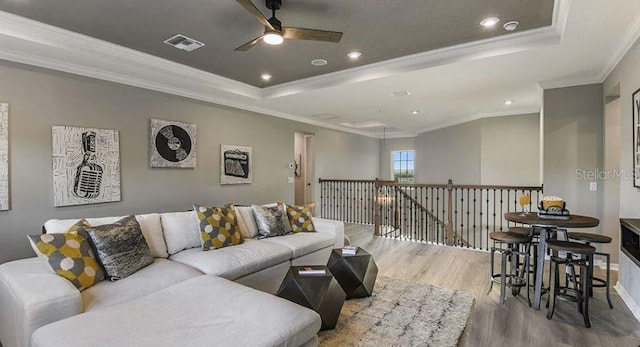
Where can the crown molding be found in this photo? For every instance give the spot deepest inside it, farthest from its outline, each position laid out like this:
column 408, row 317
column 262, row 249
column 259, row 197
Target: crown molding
column 34, row 43
column 560, row 15
column 514, row 112
column 500, row 45
column 627, row 41
column 569, row 82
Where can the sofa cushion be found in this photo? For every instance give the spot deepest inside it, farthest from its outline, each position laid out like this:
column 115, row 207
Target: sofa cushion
column 237, row 261
column 161, row 274
column 191, row 313
column 149, row 223
column 121, row 247
column 181, row 230
column 218, row 226
column 271, row 221
column 300, row 218
column 303, row 243
column 70, row 255
column 245, row 213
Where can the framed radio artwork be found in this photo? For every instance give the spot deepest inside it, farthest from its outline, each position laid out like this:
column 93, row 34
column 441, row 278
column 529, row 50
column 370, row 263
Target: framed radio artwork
column 235, row 164
column 86, row 165
column 636, row 138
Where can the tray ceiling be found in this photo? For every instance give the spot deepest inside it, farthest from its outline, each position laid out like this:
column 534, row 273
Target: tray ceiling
column 380, row 29
column 448, row 85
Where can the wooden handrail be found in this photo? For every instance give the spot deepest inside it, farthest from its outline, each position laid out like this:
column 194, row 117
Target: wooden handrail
column 320, row 180
column 427, row 185
column 471, row 186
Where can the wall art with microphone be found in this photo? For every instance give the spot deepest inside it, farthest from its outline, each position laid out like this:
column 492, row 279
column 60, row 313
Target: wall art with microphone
column 86, row 165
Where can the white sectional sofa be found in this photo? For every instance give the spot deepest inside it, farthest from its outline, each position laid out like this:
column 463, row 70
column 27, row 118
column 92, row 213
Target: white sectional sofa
column 187, row 297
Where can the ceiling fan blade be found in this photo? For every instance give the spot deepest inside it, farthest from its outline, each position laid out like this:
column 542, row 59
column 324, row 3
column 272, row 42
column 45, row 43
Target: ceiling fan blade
column 249, row 6
column 311, row 34
column 247, row 46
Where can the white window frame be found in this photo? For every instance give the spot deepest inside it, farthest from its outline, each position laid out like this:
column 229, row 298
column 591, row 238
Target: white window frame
column 392, row 163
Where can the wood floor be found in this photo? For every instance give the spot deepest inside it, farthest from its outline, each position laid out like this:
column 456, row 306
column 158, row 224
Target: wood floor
column 516, row 324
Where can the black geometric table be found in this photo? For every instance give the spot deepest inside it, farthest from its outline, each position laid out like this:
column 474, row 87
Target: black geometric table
column 321, row 293
column 355, row 273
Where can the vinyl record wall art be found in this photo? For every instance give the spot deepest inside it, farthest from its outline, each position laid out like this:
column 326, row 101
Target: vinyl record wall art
column 173, row 144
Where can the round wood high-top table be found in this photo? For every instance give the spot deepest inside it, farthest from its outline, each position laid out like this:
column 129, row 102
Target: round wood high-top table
column 547, row 226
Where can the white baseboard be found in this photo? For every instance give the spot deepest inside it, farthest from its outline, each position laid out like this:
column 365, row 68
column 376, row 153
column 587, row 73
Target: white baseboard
column 603, row 265
column 632, row 305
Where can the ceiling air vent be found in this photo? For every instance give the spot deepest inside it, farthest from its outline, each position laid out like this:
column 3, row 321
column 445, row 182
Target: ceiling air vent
column 184, row 43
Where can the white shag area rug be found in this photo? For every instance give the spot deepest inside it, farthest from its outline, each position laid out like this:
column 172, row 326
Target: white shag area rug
column 401, row 313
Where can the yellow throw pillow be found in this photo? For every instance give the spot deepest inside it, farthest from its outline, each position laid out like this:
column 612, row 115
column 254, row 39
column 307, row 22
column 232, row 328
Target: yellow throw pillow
column 218, row 226
column 70, row 255
column 300, row 218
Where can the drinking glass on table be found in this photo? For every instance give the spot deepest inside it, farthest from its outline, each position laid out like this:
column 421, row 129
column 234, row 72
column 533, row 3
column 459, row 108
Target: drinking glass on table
column 524, row 201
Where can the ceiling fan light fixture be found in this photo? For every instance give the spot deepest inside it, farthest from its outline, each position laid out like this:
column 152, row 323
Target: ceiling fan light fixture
column 489, row 22
column 273, row 38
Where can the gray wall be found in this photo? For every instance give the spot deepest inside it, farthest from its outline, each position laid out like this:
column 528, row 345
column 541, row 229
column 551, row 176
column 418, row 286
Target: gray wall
column 450, row 153
column 498, row 150
column 623, row 81
column 573, row 140
column 510, row 150
column 389, row 145
column 39, row 99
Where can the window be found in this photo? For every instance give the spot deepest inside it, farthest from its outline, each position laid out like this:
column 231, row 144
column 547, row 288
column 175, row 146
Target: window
column 403, row 166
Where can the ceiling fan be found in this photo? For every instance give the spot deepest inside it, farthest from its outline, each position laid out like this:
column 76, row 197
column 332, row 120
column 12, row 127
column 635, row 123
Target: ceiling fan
column 275, row 33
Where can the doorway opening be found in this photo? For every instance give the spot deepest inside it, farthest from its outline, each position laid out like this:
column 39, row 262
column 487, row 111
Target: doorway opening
column 611, row 183
column 304, row 153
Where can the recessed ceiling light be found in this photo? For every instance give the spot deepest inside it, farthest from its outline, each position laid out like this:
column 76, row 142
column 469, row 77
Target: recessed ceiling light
column 508, row 102
column 319, row 62
column 511, row 26
column 273, row 38
column 354, row 55
column 415, row 111
column 266, row 77
column 401, row 93
column 489, row 22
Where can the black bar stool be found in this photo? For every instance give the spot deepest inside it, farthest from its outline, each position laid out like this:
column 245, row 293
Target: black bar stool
column 534, row 233
column 511, row 255
column 581, row 284
column 589, row 238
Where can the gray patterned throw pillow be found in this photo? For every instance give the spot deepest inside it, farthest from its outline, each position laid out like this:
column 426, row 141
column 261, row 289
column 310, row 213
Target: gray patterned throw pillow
column 271, row 221
column 121, row 247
